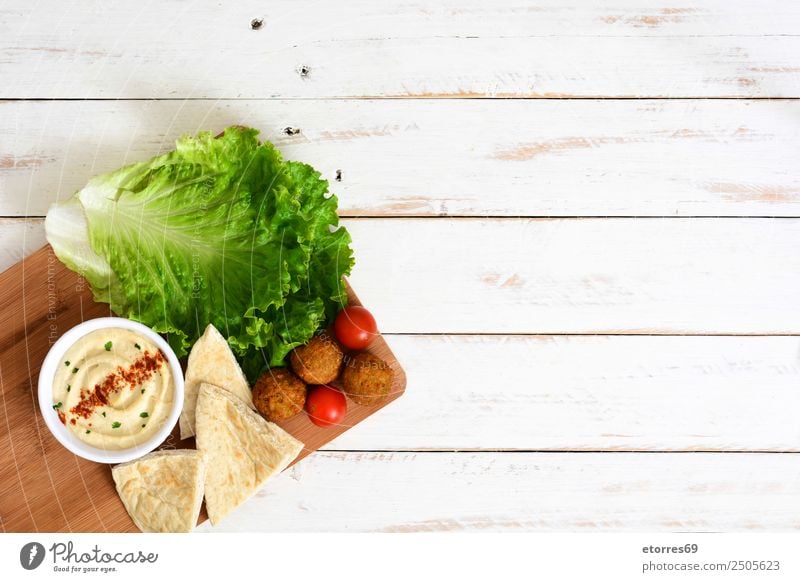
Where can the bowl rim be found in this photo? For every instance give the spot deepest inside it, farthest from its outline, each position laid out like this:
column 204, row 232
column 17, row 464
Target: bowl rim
column 45, row 391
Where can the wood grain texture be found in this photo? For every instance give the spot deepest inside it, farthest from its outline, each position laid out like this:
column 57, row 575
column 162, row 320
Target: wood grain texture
column 315, row 49
column 40, row 299
column 443, row 158
column 44, row 487
column 552, row 276
column 413, row 492
column 440, row 140
column 590, row 393
column 607, row 276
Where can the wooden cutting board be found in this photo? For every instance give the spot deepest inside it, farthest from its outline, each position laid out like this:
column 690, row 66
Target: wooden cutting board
column 44, row 487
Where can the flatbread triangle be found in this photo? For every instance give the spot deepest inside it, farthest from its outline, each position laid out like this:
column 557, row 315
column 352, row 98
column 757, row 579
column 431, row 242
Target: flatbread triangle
column 162, row 491
column 242, row 450
column 211, row 360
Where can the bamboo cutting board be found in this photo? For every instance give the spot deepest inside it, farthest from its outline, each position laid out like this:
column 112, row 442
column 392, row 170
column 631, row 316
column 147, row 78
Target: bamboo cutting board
column 44, row 487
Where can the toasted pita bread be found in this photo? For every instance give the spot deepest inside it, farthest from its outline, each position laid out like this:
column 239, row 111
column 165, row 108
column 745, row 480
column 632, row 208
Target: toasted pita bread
column 162, row 491
column 241, row 448
column 211, row 360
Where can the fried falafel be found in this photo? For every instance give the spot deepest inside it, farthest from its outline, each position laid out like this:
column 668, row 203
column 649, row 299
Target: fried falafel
column 319, row 361
column 279, row 394
column 367, row 379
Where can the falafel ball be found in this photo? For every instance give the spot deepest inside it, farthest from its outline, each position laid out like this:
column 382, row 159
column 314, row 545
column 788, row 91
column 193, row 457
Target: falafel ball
column 367, row 379
column 279, row 394
column 319, row 361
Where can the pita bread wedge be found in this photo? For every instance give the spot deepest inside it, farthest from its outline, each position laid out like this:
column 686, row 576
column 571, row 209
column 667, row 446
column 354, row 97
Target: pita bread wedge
column 211, row 360
column 242, row 450
column 162, row 491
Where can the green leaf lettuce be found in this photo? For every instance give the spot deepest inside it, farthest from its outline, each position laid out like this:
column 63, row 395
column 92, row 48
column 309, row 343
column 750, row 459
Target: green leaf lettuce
column 219, row 231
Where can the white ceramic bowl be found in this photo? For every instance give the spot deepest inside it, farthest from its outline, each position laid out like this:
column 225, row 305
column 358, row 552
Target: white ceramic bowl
column 65, row 436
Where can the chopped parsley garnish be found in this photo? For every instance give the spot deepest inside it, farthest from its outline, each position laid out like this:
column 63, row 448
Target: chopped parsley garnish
column 142, row 390
column 107, row 346
column 88, row 431
column 104, row 413
column 75, row 370
column 137, row 346
column 143, row 414
column 56, row 406
column 116, row 424
column 69, row 387
column 144, row 425
column 66, row 363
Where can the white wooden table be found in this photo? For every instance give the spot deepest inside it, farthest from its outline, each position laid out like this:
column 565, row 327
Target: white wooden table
column 577, row 222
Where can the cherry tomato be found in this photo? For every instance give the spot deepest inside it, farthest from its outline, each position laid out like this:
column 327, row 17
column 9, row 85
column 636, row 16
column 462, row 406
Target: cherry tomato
column 325, row 405
column 355, row 327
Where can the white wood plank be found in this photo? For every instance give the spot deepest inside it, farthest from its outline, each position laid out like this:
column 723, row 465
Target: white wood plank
column 471, row 157
column 18, row 239
column 303, row 20
column 615, row 276
column 590, row 393
column 409, row 492
column 550, row 276
column 454, row 49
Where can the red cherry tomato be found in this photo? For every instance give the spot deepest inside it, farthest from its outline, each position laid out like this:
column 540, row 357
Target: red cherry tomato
column 325, row 405
column 355, row 327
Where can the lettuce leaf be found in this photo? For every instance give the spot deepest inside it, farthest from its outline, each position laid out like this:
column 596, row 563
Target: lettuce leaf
column 219, row 231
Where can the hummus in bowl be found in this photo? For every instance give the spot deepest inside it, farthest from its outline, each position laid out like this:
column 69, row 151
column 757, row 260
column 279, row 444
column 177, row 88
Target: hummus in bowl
column 111, row 390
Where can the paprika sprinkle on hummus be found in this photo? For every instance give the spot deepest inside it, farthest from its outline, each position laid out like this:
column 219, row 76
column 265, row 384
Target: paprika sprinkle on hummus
column 138, row 373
